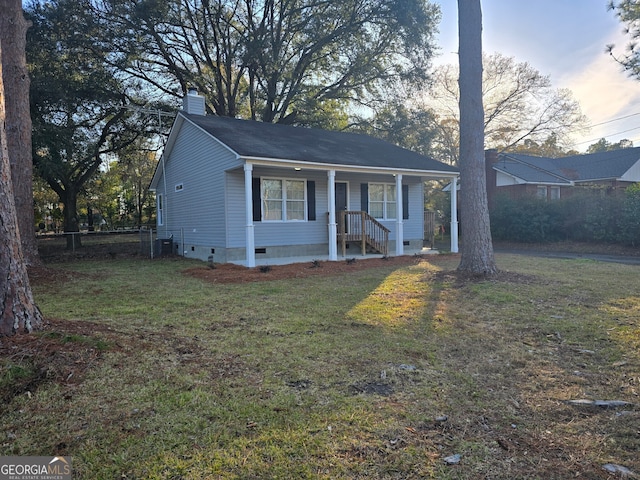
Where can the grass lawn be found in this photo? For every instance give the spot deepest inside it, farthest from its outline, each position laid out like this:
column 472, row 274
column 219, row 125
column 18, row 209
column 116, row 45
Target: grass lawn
column 148, row 373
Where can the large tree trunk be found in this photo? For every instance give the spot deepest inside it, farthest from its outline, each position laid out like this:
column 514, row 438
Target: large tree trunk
column 18, row 311
column 70, row 214
column 477, row 248
column 13, row 31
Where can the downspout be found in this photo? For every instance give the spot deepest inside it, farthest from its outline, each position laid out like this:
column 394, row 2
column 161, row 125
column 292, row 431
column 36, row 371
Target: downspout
column 165, row 223
column 454, row 215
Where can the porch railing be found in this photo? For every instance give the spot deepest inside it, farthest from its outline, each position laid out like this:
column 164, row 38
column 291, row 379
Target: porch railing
column 359, row 226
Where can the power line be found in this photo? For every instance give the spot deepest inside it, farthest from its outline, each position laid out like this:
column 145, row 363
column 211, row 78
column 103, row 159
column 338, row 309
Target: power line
column 610, row 135
column 616, row 119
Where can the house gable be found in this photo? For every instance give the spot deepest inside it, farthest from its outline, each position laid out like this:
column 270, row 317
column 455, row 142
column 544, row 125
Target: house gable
column 633, row 174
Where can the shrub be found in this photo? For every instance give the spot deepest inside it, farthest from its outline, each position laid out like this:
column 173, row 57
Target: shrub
column 528, row 220
column 630, row 218
column 585, row 216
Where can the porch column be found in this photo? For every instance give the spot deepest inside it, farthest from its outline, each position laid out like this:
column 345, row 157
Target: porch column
column 454, row 215
column 399, row 215
column 250, row 244
column 333, row 228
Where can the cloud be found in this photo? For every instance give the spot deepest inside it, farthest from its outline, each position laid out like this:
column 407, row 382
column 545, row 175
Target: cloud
column 605, row 93
column 603, row 90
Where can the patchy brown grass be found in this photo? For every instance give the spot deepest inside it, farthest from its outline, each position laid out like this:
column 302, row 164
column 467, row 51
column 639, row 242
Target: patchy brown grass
column 376, row 369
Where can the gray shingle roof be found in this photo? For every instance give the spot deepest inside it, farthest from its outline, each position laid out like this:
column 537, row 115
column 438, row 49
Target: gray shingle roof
column 284, row 142
column 526, row 172
column 577, row 168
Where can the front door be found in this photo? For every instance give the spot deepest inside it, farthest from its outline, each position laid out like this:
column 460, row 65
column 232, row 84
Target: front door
column 341, row 196
column 341, row 200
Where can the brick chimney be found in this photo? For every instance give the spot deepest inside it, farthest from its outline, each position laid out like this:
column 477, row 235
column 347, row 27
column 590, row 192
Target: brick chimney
column 193, row 102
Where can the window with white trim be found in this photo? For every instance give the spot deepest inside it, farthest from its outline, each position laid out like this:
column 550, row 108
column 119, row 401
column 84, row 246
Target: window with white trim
column 541, row 192
column 160, row 209
column 283, row 200
column 554, row 193
column 382, row 201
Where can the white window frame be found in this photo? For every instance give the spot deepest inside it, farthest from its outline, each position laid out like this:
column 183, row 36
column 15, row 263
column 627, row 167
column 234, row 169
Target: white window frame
column 554, row 193
column 284, row 200
column 541, row 192
column 179, row 187
column 160, row 209
column 389, row 208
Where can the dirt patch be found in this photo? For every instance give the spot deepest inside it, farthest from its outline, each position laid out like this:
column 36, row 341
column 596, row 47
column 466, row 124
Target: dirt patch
column 230, row 273
column 60, row 352
column 43, row 275
column 459, row 279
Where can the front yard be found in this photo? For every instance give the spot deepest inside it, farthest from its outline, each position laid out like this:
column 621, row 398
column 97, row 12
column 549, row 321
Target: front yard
column 159, row 369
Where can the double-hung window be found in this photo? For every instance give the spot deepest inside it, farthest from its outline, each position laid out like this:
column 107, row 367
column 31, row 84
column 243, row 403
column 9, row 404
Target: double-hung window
column 283, row 199
column 382, row 201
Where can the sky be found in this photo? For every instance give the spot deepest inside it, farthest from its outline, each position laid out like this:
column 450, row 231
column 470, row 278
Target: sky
column 566, row 40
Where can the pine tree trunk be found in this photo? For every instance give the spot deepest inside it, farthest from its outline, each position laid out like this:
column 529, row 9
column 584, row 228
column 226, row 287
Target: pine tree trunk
column 18, row 311
column 477, row 248
column 13, row 31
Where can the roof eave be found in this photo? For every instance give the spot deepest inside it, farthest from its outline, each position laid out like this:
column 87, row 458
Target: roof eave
column 282, row 162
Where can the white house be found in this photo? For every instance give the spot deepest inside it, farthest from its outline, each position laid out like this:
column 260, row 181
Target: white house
column 240, row 191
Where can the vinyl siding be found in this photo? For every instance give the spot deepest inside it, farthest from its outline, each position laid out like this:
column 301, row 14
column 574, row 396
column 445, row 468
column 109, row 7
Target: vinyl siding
column 196, row 212
column 314, row 232
column 210, row 211
column 268, row 234
column 412, row 226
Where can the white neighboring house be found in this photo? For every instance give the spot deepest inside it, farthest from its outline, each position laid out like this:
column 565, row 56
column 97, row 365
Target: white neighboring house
column 240, row 191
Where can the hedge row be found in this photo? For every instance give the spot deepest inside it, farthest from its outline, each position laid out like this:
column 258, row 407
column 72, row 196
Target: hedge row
column 584, row 217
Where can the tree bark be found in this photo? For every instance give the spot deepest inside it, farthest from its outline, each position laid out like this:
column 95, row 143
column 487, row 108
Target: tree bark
column 18, row 311
column 13, row 32
column 477, row 248
column 70, row 214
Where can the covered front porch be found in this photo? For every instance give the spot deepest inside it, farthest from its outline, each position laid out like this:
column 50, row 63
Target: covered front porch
column 366, row 235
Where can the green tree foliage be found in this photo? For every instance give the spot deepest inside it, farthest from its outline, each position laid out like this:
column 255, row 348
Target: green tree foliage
column 48, row 214
column 119, row 196
column 275, row 61
column 628, row 12
column 136, row 167
column 396, row 123
column 603, row 145
column 549, row 147
column 79, row 102
column 520, row 106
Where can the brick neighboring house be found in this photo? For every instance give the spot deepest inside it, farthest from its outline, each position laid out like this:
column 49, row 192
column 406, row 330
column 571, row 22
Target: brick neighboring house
column 518, row 175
